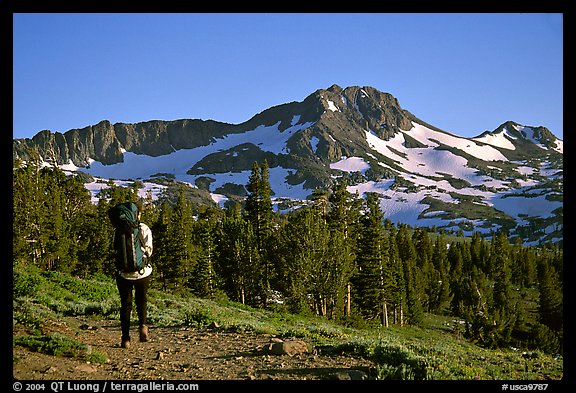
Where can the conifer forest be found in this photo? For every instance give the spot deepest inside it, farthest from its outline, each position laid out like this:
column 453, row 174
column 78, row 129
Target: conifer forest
column 338, row 257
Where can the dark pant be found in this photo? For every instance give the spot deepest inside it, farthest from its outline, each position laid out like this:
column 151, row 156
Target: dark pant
column 125, row 288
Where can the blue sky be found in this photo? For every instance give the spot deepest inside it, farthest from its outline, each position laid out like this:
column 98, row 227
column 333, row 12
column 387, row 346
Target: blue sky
column 464, row 73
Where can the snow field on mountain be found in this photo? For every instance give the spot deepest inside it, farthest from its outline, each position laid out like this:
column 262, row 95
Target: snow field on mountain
column 430, row 169
column 99, row 184
column 267, row 138
column 430, row 162
column 499, row 139
column 278, row 182
column 429, row 137
column 351, row 164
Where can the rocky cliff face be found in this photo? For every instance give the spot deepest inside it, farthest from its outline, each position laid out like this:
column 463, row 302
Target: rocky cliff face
column 105, row 142
column 337, row 118
column 339, row 115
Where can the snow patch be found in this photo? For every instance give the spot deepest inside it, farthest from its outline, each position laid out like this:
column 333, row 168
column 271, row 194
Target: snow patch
column 314, row 143
column 295, row 120
column 531, row 135
column 500, row 140
column 351, row 164
column 525, row 170
column 333, row 106
column 428, row 136
column 219, row 199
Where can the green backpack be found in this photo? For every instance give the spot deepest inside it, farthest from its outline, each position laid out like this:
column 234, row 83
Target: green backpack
column 127, row 238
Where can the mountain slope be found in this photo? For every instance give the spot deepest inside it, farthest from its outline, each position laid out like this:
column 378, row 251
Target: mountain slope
column 511, row 177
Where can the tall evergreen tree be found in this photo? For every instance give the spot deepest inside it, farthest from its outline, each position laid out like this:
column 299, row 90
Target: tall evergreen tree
column 414, row 284
column 228, row 264
column 253, row 187
column 524, row 269
column 504, row 308
column 372, row 277
column 395, row 285
column 179, row 263
column 205, row 280
column 259, row 212
column 342, row 217
column 424, row 267
column 550, row 295
column 265, row 203
column 162, row 253
column 302, row 263
column 238, row 258
column 339, row 267
column 439, row 286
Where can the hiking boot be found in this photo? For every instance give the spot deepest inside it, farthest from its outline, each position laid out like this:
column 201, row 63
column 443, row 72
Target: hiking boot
column 143, row 333
column 125, row 343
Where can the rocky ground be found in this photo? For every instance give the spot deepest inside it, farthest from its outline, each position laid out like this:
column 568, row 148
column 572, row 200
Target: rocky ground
column 185, row 353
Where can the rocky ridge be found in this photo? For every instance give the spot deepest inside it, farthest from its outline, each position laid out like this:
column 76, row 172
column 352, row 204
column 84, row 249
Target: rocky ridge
column 424, row 175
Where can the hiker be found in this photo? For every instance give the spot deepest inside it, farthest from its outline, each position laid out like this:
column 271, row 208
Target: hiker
column 136, row 279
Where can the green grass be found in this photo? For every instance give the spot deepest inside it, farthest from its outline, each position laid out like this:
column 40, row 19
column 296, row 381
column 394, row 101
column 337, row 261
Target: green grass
column 60, row 345
column 434, row 350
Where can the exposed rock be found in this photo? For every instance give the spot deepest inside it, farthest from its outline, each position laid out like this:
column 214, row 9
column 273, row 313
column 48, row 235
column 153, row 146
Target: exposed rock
column 290, row 347
column 86, row 368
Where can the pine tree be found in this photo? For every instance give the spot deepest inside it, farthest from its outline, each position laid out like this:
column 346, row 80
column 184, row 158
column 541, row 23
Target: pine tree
column 523, row 265
column 414, row 285
column 439, row 287
column 305, row 242
column 266, row 210
column 253, row 187
column 49, row 207
column 162, row 253
column 371, row 279
column 503, row 310
column 28, row 213
column 424, row 267
column 344, row 211
column 205, row 280
column 265, row 230
column 179, row 263
column 339, row 267
column 259, row 212
column 550, row 299
column 480, row 253
column 228, row 231
column 342, row 217
column 238, row 258
column 319, row 200
column 395, row 290
column 67, row 203
column 249, row 274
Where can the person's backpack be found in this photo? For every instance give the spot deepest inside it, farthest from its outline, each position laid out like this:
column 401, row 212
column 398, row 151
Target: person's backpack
column 127, row 238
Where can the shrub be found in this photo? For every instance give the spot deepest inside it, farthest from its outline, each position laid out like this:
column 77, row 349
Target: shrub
column 397, row 362
column 57, row 344
column 25, row 283
column 199, row 317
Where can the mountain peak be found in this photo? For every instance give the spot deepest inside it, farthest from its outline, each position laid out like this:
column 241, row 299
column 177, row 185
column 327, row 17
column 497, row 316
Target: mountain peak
column 511, row 177
column 511, row 135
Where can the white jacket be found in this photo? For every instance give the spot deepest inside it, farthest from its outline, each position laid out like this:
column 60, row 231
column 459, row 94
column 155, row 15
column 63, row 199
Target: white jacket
column 146, row 247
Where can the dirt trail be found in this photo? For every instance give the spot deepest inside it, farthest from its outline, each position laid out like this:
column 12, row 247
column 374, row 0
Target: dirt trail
column 180, row 353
